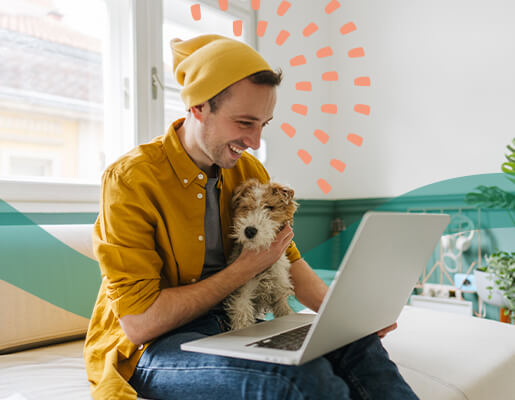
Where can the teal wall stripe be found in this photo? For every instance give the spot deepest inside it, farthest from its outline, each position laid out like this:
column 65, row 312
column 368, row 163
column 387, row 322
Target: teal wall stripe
column 49, row 270
column 71, row 280
column 35, row 261
column 447, row 196
column 7, row 218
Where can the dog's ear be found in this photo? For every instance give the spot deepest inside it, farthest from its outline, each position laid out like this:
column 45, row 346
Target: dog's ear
column 240, row 191
column 286, row 193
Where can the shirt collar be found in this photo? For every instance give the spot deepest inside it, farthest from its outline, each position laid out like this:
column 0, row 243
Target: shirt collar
column 184, row 167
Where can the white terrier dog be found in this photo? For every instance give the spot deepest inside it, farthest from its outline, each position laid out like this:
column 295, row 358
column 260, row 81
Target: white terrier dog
column 260, row 211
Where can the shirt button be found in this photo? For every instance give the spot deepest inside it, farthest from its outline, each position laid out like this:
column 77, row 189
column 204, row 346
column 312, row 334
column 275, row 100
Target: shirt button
column 140, row 347
column 193, row 280
column 201, row 238
column 185, row 181
column 200, row 176
column 199, row 196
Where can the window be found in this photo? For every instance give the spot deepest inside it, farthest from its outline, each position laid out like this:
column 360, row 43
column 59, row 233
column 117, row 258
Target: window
column 51, row 88
column 76, row 89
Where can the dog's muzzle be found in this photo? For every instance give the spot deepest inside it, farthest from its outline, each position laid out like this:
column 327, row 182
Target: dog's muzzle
column 250, row 232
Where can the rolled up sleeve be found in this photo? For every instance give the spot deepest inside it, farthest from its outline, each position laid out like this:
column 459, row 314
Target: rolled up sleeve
column 124, row 244
column 292, row 253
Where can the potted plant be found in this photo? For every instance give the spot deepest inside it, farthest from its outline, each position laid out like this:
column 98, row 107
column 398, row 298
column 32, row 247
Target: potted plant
column 495, row 283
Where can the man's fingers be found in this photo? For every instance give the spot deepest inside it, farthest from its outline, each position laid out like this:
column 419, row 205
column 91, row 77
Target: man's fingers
column 382, row 333
column 284, row 234
column 288, row 235
column 392, row 327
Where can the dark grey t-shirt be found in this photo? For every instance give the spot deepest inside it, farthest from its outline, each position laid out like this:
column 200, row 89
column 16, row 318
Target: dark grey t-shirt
column 214, row 259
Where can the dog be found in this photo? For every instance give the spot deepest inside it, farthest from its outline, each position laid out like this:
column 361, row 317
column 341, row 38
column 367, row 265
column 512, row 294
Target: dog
column 260, row 211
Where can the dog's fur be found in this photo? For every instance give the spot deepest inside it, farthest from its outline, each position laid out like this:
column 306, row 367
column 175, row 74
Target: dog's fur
column 262, row 209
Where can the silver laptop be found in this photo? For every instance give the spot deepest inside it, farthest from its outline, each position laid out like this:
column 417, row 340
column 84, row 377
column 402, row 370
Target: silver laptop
column 383, row 262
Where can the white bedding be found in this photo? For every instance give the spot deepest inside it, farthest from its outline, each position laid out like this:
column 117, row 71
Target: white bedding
column 454, row 357
column 443, row 357
column 51, row 372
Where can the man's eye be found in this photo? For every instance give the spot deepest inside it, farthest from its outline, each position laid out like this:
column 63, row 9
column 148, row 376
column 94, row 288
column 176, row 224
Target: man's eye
column 245, row 123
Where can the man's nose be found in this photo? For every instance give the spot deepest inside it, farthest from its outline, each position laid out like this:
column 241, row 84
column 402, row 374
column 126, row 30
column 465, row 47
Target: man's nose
column 253, row 140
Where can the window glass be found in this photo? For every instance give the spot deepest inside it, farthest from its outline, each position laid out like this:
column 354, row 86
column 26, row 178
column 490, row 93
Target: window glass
column 51, row 89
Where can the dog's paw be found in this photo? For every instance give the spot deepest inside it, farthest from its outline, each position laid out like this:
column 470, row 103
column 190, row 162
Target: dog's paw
column 241, row 321
column 240, row 311
column 282, row 308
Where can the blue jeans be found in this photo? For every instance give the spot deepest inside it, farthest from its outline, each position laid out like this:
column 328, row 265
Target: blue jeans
column 360, row 370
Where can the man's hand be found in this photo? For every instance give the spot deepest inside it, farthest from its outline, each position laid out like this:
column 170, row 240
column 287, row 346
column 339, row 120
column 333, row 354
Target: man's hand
column 382, row 333
column 259, row 260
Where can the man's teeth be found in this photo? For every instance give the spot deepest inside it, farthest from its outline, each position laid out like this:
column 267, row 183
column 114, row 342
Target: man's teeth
column 235, row 149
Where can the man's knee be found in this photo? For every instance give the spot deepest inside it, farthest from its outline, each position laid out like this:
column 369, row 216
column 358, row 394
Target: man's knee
column 317, row 380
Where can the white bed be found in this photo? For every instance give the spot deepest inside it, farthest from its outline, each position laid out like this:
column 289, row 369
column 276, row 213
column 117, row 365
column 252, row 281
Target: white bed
column 443, row 356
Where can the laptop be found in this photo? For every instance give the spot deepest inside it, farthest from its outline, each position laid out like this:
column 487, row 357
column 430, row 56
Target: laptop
column 373, row 283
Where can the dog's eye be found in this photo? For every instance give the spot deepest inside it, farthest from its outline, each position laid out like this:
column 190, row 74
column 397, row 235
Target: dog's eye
column 271, row 208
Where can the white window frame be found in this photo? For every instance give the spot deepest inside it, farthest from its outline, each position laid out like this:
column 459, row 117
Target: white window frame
column 132, row 116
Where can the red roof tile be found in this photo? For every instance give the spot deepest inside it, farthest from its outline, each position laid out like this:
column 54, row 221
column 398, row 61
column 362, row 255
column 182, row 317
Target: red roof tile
column 50, row 30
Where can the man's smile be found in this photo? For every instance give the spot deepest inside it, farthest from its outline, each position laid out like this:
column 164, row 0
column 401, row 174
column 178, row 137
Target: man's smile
column 236, row 150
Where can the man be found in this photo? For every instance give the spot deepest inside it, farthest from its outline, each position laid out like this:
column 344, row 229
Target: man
column 162, row 238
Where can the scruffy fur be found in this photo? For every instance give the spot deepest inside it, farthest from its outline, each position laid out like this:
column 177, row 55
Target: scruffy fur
column 262, row 209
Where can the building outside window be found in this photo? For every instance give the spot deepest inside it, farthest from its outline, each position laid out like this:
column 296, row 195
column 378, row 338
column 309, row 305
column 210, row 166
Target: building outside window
column 51, row 88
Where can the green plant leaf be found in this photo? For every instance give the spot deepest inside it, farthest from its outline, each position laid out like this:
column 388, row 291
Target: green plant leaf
column 491, row 197
column 508, row 167
column 501, row 266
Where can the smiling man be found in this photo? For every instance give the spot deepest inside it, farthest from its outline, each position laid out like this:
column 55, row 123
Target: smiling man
column 162, row 238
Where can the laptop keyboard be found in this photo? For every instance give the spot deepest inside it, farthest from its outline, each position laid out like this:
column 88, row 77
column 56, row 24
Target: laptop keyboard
column 290, row 340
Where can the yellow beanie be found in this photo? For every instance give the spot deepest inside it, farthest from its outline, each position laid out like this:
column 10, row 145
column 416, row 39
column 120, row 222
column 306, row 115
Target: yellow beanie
column 207, row 64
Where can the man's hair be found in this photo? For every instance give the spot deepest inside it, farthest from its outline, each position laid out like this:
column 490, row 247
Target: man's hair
column 268, row 78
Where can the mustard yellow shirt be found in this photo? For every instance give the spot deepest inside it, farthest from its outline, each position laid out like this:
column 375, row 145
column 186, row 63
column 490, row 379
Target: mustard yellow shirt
column 149, row 235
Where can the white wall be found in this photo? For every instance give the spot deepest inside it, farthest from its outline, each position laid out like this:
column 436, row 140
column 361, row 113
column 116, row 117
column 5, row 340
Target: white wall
column 442, row 96
column 282, row 160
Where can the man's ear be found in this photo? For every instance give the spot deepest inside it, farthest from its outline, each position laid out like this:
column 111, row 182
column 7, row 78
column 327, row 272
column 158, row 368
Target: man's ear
column 199, row 111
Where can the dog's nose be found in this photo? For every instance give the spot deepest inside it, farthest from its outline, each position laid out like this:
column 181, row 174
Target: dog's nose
column 250, row 232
